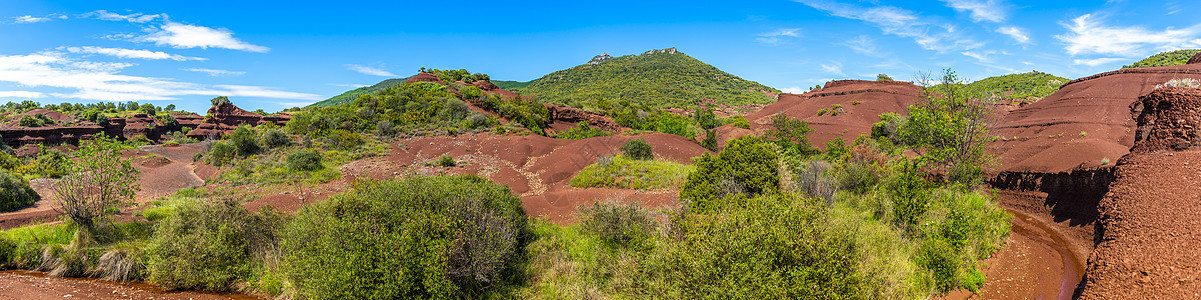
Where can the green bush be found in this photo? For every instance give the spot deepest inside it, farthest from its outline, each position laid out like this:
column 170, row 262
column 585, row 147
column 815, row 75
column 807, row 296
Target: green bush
column 7, row 161
column 221, row 154
column 208, row 245
column 710, row 141
column 445, row 161
column 30, row 121
column 15, row 193
column 740, row 122
column 748, row 166
column 304, row 160
column 619, row 224
column 637, row 149
column 52, row 163
column 424, row 237
column 344, row 140
column 244, row 140
column 275, row 138
column 582, row 131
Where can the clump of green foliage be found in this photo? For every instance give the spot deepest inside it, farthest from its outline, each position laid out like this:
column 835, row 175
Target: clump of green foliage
column 747, row 167
column 622, row 172
column 1036, row 85
column 653, row 79
column 883, row 77
column 304, row 160
column 582, row 131
column 637, row 149
column 209, row 245
column 951, row 130
column 710, row 140
column 740, row 122
column 275, row 138
column 15, row 193
column 1164, row 59
column 427, row 237
column 445, row 161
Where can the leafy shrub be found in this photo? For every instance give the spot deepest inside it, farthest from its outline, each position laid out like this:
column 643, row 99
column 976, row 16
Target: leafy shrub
column 740, row 122
column 790, row 135
column 582, row 131
column 51, row 163
column 619, row 224
column 710, row 141
column 7, row 161
column 445, row 161
column 15, row 193
column 244, row 140
column 748, row 166
column 814, row 178
column 344, row 140
column 637, row 149
column 30, row 121
column 221, row 154
column 275, row 138
column 208, row 245
column 883, row 77
column 425, row 237
column 304, row 160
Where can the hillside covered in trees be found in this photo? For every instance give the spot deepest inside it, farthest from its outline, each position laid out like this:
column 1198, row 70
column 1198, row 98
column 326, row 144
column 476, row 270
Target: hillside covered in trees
column 1163, row 59
column 658, row 78
column 1033, row 84
column 350, row 95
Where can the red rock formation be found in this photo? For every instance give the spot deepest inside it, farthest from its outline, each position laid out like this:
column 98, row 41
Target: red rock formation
column 226, row 117
column 565, row 118
column 1195, row 60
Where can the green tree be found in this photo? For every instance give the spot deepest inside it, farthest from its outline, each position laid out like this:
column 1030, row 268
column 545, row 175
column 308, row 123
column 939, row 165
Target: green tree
column 637, row 149
column 244, row 140
column 748, row 166
column 15, row 193
column 100, row 180
column 950, row 129
column 883, row 77
column 710, row 141
column 791, row 135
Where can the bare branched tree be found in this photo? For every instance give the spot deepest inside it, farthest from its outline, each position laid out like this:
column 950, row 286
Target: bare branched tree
column 99, row 179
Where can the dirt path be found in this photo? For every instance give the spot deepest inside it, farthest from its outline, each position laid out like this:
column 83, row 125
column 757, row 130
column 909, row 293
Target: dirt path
column 36, row 285
column 1034, row 263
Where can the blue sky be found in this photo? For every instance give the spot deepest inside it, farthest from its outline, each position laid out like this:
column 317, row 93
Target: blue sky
column 278, row 55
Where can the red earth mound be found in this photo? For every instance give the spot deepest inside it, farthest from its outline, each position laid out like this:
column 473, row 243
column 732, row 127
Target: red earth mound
column 226, row 117
column 566, row 118
column 872, row 97
column 1086, row 122
column 1147, row 241
column 1195, row 60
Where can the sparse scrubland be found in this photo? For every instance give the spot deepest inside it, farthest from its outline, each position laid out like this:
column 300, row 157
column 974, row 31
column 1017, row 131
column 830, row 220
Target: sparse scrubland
column 768, row 216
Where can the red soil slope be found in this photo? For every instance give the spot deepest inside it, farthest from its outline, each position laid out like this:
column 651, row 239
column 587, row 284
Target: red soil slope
column 874, row 97
column 1087, row 120
column 1151, row 216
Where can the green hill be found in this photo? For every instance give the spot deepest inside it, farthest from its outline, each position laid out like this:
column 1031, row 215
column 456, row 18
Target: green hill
column 514, row 86
column 1170, row 58
column 350, row 95
column 658, row 78
column 1032, row 84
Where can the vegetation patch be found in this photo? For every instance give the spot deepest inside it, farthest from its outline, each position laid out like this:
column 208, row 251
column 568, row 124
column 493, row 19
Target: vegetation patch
column 622, row 172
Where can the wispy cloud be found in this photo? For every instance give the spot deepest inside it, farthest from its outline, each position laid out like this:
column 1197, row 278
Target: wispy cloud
column 1097, row 61
column 215, row 72
column 863, row 45
column 21, row 94
column 131, row 53
column 1016, row 33
column 990, row 10
column 370, row 70
column 1088, row 35
column 349, row 85
column 90, row 80
column 981, row 56
column 180, row 35
column 132, row 18
column 794, row 90
column 29, row 19
column 900, row 22
column 777, row 37
column 833, row 68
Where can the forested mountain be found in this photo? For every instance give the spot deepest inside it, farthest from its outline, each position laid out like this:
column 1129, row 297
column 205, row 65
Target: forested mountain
column 1033, row 84
column 350, row 95
column 1163, row 59
column 658, row 78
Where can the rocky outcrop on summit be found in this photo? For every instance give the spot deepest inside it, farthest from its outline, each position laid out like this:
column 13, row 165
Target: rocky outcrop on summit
column 671, row 50
column 226, row 117
column 599, row 58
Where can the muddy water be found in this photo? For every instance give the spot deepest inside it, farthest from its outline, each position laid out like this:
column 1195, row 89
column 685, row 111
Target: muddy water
column 1034, row 263
column 16, row 284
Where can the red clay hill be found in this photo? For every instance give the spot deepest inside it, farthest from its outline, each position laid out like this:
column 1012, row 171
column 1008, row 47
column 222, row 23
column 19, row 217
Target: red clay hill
column 1147, row 248
column 66, row 129
column 225, row 117
column 850, row 108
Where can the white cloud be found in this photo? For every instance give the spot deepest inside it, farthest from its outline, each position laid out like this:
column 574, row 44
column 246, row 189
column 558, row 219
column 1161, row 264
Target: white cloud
column 864, row 45
column 1016, row 33
column 833, row 68
column 981, row 56
column 103, row 81
column 1097, row 61
column 215, row 72
column 794, row 90
column 370, row 71
column 21, row 94
column 900, row 22
column 1087, row 35
column 29, row 19
column 349, row 85
column 775, row 37
column 191, row 36
column 991, row 10
column 133, row 18
column 131, row 53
